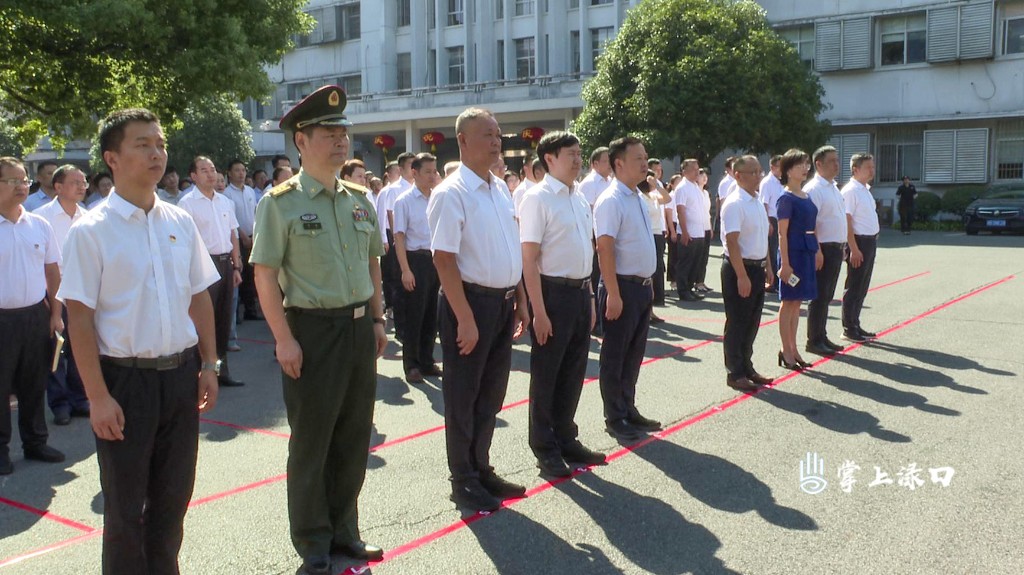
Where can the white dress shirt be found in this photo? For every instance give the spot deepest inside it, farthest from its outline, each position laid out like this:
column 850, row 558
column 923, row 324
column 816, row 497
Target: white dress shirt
column 741, row 212
column 519, row 192
column 411, row 219
column 621, row 214
column 58, row 219
column 215, row 218
column 36, row 200
column 26, row 246
column 707, row 210
column 769, row 192
column 831, row 223
column 655, row 211
column 558, row 218
column 726, row 187
column 168, row 197
column 473, row 219
column 861, row 205
column 690, row 197
column 592, row 186
column 245, row 206
column 139, row 272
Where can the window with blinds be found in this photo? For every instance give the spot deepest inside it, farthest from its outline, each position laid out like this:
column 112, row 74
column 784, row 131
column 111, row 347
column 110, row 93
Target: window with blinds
column 842, row 45
column 956, row 156
column 961, row 32
column 847, row 145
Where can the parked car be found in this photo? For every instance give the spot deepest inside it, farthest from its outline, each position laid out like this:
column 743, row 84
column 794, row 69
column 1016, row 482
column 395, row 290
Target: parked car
column 999, row 209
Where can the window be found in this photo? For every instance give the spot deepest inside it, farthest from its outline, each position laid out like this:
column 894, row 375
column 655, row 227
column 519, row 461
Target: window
column 353, row 85
column 574, row 51
column 847, row 145
column 574, row 4
column 802, row 40
column 431, row 15
column 956, row 156
column 300, row 90
column 499, row 9
column 902, row 40
column 525, row 51
column 456, row 66
column 500, row 53
column 524, row 7
column 842, row 45
column 600, row 2
column 599, row 38
column 347, row 21
column 404, row 13
column 1013, row 36
column 456, row 15
column 1010, row 150
column 900, row 153
column 405, row 71
column 960, row 32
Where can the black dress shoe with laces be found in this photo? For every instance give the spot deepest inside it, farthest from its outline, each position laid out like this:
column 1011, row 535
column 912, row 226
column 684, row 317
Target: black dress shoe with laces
column 317, row 564
column 44, row 453
column 229, row 382
column 500, row 488
column 834, row 345
column 432, row 371
column 472, row 495
column 867, row 334
column 577, row 452
column 854, row 336
column 553, row 466
column 741, row 384
column 820, row 348
column 6, row 467
column 359, row 550
column 62, row 417
column 759, row 379
column 623, row 429
column 644, row 423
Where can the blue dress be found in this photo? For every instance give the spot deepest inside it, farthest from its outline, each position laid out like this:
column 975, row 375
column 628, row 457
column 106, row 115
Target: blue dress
column 802, row 214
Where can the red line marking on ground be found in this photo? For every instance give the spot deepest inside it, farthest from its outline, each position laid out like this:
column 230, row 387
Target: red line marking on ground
column 44, row 550
column 237, row 490
column 672, row 430
column 47, row 515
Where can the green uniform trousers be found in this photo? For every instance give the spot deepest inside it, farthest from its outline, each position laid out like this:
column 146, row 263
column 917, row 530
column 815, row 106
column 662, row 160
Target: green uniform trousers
column 330, row 411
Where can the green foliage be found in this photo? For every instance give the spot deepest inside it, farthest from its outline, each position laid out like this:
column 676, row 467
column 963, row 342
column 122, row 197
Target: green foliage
column 9, row 143
column 215, row 128
column 696, row 77
column 955, row 200
column 66, row 63
column 926, row 206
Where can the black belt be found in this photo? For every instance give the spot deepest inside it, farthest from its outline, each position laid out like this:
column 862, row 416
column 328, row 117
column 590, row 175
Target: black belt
column 355, row 311
column 20, row 310
column 162, row 363
column 222, row 257
column 504, row 293
column 420, row 252
column 865, row 236
column 840, row 244
column 635, row 279
column 578, row 284
column 754, row 263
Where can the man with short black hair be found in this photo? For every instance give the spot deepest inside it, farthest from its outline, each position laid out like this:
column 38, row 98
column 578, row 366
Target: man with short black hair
column 689, row 205
column 533, row 171
column 168, row 189
column 831, row 231
column 862, row 243
column 591, row 187
column 46, row 192
column 769, row 191
column 400, row 181
column 244, row 198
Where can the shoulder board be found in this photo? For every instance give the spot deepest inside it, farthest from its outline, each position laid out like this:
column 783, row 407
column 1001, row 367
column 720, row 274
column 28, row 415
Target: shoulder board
column 354, row 187
column 284, row 187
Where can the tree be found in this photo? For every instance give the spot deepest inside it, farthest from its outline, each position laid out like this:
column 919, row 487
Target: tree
column 214, row 128
column 66, row 63
column 697, row 77
column 9, row 144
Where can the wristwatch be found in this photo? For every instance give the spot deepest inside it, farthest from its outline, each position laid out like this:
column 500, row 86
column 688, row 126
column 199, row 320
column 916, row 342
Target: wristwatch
column 212, row 366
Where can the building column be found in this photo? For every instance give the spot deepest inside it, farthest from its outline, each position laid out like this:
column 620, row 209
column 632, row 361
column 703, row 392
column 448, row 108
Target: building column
column 412, row 140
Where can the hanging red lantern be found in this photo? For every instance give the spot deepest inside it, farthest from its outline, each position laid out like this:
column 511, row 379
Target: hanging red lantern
column 433, row 139
column 385, row 143
column 533, row 135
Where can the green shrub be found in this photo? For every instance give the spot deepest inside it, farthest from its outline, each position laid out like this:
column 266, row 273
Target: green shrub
column 926, row 205
column 955, row 200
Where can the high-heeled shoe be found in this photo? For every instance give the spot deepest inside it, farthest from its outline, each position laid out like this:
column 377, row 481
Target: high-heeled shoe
column 803, row 364
column 795, row 366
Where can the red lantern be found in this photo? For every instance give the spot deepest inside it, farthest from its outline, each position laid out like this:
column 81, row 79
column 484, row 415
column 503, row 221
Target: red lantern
column 385, row 143
column 533, row 135
column 433, row 139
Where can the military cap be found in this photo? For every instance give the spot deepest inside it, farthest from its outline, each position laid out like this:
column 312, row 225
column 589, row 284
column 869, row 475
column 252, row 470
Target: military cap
column 324, row 107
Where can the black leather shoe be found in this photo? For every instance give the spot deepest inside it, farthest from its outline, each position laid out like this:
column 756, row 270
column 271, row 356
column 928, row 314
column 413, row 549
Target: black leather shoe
column 854, row 336
column 229, row 382
column 655, row 320
column 359, row 550
column 472, row 495
column 623, row 429
column 834, row 345
column 432, row 371
column 759, row 379
column 414, row 376
column 578, row 452
column 867, row 334
column 81, row 411
column 6, row 467
column 500, row 488
column 741, row 384
column 317, row 564
column 44, row 453
column 688, row 296
column 643, row 423
column 62, row 418
column 553, row 466
column 819, row 348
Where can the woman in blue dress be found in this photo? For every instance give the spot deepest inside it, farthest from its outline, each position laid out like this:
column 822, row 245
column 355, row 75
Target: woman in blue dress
column 798, row 252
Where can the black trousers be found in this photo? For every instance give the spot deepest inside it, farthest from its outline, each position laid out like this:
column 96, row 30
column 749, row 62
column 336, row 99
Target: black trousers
column 247, row 289
column 65, row 391
column 858, row 280
column 558, row 367
column 686, row 265
column 671, row 251
column 659, row 273
column 595, row 272
column 474, row 385
column 330, row 412
column 25, row 355
column 827, row 278
column 147, row 477
column 906, row 217
column 742, row 318
column 420, row 313
column 391, row 286
column 702, row 265
column 622, row 351
column 773, row 241
column 222, row 296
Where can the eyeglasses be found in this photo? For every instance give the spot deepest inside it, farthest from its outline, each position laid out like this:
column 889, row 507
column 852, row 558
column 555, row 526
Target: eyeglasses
column 17, row 181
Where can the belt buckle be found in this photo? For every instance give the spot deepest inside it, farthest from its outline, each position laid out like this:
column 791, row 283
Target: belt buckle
column 359, row 312
column 648, row 282
column 166, row 362
column 586, row 284
column 509, row 294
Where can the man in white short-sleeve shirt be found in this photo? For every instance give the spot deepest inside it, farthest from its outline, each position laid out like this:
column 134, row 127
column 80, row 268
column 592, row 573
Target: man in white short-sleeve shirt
column 689, row 206
column 862, row 241
column 830, row 228
column 768, row 192
column 135, row 280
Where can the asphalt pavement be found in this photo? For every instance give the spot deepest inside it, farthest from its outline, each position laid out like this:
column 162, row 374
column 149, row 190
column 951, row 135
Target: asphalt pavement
column 901, row 455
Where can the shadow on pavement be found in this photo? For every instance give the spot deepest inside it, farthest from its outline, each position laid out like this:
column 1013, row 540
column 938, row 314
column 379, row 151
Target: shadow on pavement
column 881, row 393
column 909, row 374
column 940, row 359
column 830, row 415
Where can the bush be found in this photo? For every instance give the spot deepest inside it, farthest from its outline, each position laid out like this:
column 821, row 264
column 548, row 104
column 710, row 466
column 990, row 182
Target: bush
column 926, row 206
column 955, row 200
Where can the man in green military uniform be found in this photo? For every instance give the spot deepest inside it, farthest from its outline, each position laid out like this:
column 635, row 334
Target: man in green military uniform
column 317, row 241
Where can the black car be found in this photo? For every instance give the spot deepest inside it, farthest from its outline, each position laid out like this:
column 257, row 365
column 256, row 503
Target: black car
column 1000, row 209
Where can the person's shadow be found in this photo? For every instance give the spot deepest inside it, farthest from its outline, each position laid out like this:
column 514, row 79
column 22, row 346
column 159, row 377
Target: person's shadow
column 649, row 532
column 830, row 415
column 939, row 359
column 909, row 374
column 881, row 393
column 392, row 391
column 721, row 484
